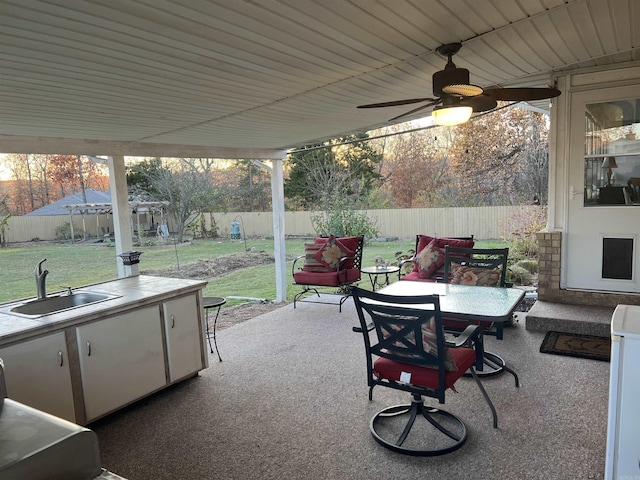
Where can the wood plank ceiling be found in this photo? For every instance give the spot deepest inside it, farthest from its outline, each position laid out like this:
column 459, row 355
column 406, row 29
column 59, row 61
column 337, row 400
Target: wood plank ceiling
column 196, row 75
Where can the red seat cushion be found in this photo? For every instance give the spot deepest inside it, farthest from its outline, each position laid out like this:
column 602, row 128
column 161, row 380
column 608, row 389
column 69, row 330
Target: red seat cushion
column 424, row 376
column 330, row 279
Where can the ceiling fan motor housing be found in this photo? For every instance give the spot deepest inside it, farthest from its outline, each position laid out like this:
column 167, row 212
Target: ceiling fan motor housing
column 449, row 76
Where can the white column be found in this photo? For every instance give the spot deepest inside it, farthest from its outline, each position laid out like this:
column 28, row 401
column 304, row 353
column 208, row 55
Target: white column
column 279, row 249
column 121, row 214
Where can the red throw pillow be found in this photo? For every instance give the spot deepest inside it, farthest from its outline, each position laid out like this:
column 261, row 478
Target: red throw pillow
column 424, row 240
column 331, row 252
column 430, row 259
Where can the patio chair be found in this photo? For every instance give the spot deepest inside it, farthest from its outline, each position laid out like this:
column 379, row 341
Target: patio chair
column 485, row 267
column 409, row 353
column 428, row 257
column 328, row 262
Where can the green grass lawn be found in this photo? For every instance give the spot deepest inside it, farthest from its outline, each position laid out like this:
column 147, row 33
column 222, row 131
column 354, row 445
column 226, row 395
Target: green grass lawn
column 78, row 265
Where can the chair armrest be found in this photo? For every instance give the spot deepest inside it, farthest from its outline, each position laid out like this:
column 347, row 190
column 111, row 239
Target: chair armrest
column 359, row 329
column 293, row 266
column 342, row 260
column 471, row 333
column 402, row 264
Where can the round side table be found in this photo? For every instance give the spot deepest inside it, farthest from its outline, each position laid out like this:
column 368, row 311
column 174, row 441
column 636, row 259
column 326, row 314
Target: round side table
column 375, row 272
column 209, row 303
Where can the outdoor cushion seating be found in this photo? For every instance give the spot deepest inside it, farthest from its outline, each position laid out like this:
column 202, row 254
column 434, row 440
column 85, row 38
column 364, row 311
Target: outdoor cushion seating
column 428, row 259
column 409, row 352
column 328, row 262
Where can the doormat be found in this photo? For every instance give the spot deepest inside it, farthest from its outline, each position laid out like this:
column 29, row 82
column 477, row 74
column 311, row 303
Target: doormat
column 575, row 345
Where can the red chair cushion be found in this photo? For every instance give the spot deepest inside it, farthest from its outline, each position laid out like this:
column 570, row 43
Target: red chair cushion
column 330, row 279
column 424, row 376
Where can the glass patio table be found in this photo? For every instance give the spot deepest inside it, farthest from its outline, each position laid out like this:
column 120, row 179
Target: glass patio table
column 466, row 303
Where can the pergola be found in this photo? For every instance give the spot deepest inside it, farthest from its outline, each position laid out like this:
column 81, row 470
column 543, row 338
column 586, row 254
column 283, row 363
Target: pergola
column 135, row 207
column 252, row 79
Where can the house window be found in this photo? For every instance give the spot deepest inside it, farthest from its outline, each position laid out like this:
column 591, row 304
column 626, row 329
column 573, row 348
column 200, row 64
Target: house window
column 612, row 153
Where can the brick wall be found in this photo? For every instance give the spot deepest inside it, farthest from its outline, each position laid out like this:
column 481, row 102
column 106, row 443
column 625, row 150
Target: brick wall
column 549, row 261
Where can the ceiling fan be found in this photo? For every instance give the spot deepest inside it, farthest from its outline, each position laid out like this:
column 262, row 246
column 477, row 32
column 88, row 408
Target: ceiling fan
column 456, row 99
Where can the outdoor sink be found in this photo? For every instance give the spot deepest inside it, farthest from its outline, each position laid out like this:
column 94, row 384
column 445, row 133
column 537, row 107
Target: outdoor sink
column 54, row 304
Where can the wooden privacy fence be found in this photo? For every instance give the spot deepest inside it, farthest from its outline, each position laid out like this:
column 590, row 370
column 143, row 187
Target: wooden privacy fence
column 483, row 222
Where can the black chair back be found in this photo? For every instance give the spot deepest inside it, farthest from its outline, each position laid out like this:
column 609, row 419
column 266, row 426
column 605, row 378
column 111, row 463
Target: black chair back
column 400, row 334
column 474, row 261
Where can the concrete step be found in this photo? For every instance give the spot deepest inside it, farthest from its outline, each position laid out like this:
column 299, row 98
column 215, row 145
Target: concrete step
column 560, row 317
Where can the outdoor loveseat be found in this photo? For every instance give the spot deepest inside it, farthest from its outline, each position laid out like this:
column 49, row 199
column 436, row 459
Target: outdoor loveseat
column 428, row 259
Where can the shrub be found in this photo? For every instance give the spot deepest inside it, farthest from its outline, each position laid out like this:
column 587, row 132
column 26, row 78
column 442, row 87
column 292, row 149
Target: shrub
column 63, row 232
column 342, row 220
column 524, row 240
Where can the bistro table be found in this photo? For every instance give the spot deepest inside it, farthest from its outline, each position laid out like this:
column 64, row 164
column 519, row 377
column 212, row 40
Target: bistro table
column 375, row 272
column 468, row 303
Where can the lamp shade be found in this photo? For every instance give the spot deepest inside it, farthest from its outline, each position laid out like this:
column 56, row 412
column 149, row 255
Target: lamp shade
column 609, row 162
column 449, row 116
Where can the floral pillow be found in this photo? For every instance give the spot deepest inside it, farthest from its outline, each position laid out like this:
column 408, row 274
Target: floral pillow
column 331, row 252
column 430, row 259
column 429, row 343
column 483, row 277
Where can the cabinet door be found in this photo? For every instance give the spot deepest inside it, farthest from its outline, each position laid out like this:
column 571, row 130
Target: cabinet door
column 37, row 374
column 627, row 448
column 184, row 340
column 121, row 360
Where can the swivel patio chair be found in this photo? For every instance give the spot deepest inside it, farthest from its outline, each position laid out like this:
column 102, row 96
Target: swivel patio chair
column 408, row 352
column 485, row 267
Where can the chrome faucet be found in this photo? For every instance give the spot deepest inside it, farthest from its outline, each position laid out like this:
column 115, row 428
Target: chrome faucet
column 41, row 276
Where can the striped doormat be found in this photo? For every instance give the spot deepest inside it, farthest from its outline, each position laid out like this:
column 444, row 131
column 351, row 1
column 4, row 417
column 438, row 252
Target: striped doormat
column 576, row 345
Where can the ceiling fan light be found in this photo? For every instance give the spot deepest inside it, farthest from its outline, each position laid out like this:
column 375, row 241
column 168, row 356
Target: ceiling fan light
column 465, row 90
column 449, row 116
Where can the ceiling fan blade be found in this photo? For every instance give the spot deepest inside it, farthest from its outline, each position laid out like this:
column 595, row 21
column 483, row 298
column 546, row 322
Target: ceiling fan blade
column 430, row 104
column 479, row 103
column 397, row 103
column 521, row 94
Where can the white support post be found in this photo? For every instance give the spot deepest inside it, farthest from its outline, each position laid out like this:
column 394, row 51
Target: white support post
column 279, row 249
column 121, row 214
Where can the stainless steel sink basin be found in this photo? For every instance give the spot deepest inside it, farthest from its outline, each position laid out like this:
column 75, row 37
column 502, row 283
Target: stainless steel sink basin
column 54, row 304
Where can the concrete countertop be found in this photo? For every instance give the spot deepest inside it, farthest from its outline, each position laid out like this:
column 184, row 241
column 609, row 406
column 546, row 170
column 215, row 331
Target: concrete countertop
column 133, row 292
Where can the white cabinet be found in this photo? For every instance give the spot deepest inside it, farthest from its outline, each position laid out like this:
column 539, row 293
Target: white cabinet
column 623, row 440
column 121, row 360
column 182, row 324
column 37, row 374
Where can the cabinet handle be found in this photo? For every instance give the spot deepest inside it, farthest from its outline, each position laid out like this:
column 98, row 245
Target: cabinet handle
column 88, row 348
column 61, row 357
column 173, row 321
